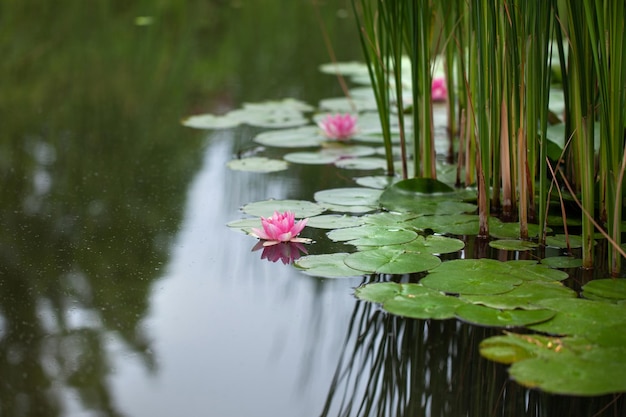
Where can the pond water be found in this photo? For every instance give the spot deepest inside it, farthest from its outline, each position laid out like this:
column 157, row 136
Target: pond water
column 123, row 293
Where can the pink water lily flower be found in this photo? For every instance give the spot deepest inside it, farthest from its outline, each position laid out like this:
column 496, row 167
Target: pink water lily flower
column 280, row 227
column 439, row 91
column 338, row 126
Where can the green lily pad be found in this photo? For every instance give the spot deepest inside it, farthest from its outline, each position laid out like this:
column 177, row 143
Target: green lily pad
column 523, row 296
column 357, row 196
column 326, row 266
column 349, row 209
column 532, row 271
column 423, row 305
column 560, row 241
column 471, row 276
column 267, row 208
column 492, row 317
column 211, row 121
column 576, row 316
column 378, row 235
column 501, row 230
column 300, row 137
column 513, row 245
column 391, row 261
column 432, row 244
column 612, row 289
column 334, row 221
column 378, row 292
column 245, row 225
column 455, row 224
column 310, row 158
column 386, row 218
column 257, row 164
column 572, row 376
column 361, row 163
column 379, row 181
column 562, row 262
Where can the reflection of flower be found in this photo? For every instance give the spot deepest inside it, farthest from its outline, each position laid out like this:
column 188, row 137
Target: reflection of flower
column 280, row 227
column 286, row 252
column 338, row 126
column 439, row 91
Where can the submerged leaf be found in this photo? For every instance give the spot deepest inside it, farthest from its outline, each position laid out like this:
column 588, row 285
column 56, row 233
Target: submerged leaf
column 257, row 164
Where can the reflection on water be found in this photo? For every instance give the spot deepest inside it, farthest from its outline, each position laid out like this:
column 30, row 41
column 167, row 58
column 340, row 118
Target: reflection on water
column 123, row 293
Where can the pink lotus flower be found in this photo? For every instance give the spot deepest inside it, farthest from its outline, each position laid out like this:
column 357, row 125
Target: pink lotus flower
column 280, row 227
column 340, row 127
column 439, row 91
column 286, row 252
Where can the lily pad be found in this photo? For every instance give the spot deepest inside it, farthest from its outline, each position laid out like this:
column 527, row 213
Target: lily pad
column 361, row 163
column 471, row 276
column 611, row 289
column 257, row 164
column 561, row 241
column 266, row 208
column 300, row 137
column 211, row 121
column 455, row 224
column 370, row 235
column 310, row 158
column 326, row 266
column 523, row 296
column 378, row 292
column 391, row 261
column 380, row 181
column 492, row 317
column 423, row 305
column 334, row 221
column 433, row 244
column 562, row 262
column 578, row 316
column 513, row 245
column 357, row 196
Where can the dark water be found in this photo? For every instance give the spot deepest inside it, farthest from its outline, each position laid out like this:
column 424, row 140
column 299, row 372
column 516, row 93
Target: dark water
column 122, row 293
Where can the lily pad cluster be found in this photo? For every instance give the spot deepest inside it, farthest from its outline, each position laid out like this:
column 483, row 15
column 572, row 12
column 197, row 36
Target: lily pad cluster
column 572, row 345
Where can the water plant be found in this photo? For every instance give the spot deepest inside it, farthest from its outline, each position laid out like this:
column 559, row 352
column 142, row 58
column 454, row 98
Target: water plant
column 499, row 71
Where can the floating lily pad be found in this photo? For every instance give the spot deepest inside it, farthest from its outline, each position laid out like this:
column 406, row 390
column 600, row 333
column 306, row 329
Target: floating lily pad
column 523, row 296
column 530, row 270
column 433, row 244
column 349, row 209
column 391, row 261
column 301, row 137
column 455, row 224
column 371, row 235
column 380, row 181
column 501, row 230
column 334, row 221
column 561, row 241
column 471, row 276
column 423, row 305
column 378, row 292
column 267, row 208
column 310, row 158
column 386, row 218
column 612, row 289
column 257, row 164
column 349, row 196
column 574, row 376
column 562, row 262
column 326, row 266
column 513, row 245
column 348, row 105
column 578, row 316
column 245, row 225
column 492, row 317
column 570, row 365
column 362, row 163
column 211, row 121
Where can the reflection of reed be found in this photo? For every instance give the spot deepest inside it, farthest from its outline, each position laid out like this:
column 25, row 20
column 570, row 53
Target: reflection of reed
column 392, row 366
